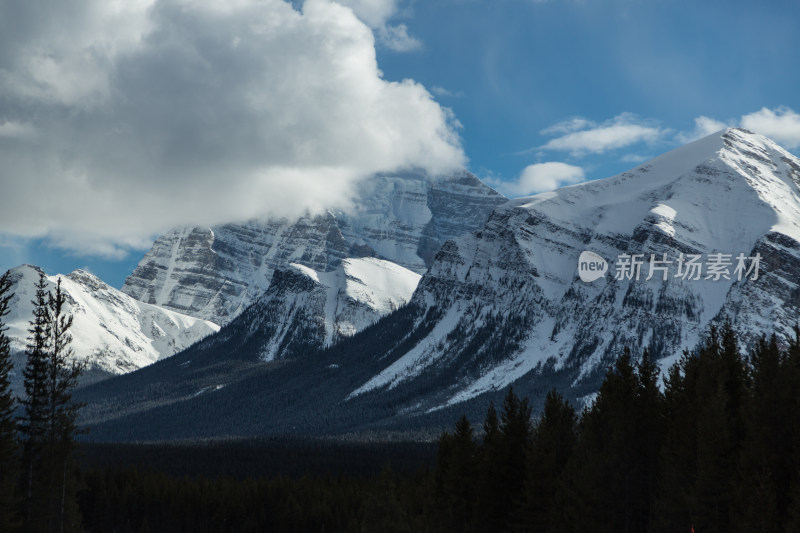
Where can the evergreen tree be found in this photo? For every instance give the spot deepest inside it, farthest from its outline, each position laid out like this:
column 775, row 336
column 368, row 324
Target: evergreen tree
column 489, row 482
column 609, row 485
column 48, row 423
column 8, row 433
column 62, row 378
column 790, row 373
column 651, row 422
column 706, row 396
column 502, row 465
column 455, row 475
column 33, row 423
column 516, row 430
column 763, row 489
column 675, row 505
column 722, row 385
column 553, row 444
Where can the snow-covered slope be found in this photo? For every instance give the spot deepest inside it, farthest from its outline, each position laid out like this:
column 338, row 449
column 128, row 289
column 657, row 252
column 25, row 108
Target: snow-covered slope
column 215, row 273
column 304, row 310
column 111, row 330
column 503, row 305
column 507, row 304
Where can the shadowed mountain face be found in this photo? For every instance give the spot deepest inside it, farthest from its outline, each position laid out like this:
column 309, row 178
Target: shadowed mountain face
column 505, row 305
column 215, row 273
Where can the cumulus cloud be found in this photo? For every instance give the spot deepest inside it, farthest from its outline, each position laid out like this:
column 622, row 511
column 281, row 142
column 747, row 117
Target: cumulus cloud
column 540, row 177
column 119, row 120
column 703, row 126
column 579, row 136
column 781, row 125
column 376, row 13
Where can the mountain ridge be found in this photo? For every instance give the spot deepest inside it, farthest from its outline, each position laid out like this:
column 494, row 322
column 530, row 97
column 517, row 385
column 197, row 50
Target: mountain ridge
column 215, row 273
column 112, row 332
column 505, row 306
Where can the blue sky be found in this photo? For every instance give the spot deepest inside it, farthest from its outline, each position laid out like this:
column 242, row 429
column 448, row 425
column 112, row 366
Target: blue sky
column 130, row 117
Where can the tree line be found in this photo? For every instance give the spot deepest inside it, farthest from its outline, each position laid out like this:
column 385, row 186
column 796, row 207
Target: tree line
column 715, row 447
column 38, row 474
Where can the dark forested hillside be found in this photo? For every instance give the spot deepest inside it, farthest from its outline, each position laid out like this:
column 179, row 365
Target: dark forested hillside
column 716, row 448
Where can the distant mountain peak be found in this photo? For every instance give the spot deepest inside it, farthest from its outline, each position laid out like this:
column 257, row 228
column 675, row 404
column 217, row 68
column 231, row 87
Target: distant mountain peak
column 112, row 331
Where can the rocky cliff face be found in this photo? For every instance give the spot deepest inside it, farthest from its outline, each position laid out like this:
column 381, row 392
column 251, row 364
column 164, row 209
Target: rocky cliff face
column 303, row 311
column 506, row 304
column 111, row 331
column 215, row 273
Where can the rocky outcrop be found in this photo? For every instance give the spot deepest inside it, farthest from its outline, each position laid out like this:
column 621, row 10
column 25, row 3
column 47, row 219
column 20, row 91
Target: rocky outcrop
column 303, row 311
column 215, row 273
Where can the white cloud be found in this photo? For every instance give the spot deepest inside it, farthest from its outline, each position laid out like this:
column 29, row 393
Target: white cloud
column 568, row 126
column 441, row 91
column 781, row 125
column 373, row 12
column 540, row 177
column 376, row 14
column 127, row 118
column 703, row 126
column 398, row 39
column 581, row 136
column 635, row 158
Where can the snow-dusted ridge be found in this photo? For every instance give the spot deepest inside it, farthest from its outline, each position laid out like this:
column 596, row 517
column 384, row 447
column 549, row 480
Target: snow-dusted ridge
column 514, row 283
column 304, row 310
column 215, row 273
column 111, row 330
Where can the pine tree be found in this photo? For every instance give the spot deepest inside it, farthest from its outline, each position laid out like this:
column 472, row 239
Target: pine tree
column 455, row 473
column 489, row 482
column 32, row 424
column 722, row 387
column 675, row 505
column 502, row 463
column 62, row 377
column 790, row 372
column 762, row 490
column 706, row 397
column 608, row 484
column 9, row 449
column 48, row 423
column 553, row 444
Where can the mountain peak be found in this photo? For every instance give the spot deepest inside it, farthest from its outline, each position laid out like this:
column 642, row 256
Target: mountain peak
column 112, row 331
column 724, row 190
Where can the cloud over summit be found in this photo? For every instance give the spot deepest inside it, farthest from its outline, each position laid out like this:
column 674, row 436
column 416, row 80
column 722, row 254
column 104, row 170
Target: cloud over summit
column 119, row 120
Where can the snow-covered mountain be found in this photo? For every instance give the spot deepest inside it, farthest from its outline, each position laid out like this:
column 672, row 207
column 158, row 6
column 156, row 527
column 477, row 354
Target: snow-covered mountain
column 514, row 286
column 112, row 331
column 304, row 311
column 506, row 305
column 215, row 273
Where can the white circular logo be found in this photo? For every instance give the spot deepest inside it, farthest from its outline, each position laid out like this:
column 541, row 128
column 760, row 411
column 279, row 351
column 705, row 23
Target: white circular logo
column 591, row 266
